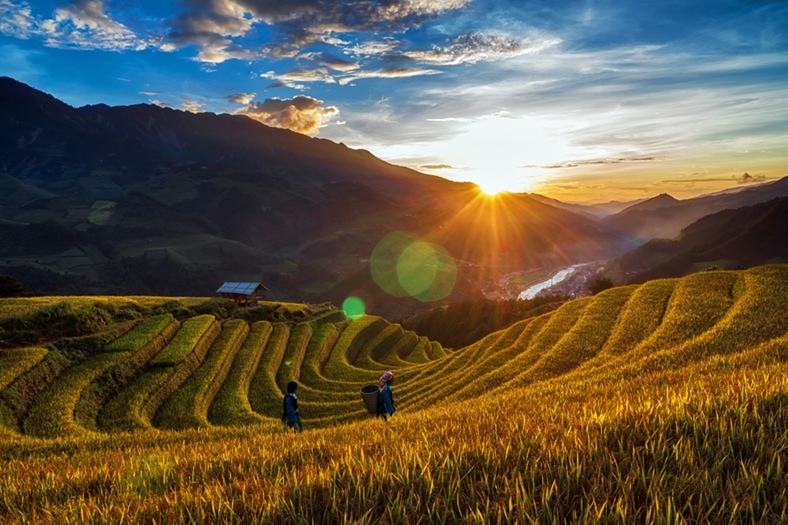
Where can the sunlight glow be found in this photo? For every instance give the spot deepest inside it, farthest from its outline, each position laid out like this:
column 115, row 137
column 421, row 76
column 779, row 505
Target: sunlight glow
column 499, row 152
column 492, row 187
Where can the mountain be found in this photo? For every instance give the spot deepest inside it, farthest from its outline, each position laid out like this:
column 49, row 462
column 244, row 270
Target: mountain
column 611, row 207
column 664, row 217
column 149, row 200
column 663, row 200
column 582, row 209
column 742, row 237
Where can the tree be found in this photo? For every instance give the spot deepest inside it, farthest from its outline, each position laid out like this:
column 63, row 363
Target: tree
column 10, row 287
column 600, row 284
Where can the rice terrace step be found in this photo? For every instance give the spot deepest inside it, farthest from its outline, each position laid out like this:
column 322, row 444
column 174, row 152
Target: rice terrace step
column 676, row 386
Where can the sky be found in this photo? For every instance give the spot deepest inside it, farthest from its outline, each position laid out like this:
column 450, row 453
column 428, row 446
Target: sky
column 580, row 100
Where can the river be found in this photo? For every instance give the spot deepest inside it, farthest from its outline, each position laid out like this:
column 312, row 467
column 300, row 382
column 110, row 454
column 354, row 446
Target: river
column 559, row 276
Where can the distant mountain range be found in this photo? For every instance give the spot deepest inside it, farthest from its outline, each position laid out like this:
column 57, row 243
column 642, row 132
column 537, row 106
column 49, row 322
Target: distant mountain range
column 735, row 238
column 664, row 216
column 149, row 200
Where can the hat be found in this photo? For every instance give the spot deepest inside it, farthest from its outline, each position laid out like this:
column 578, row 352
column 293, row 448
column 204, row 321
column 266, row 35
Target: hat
column 385, row 378
column 291, row 387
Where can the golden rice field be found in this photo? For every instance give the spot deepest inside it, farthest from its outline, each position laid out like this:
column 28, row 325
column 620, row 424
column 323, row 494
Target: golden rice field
column 665, row 402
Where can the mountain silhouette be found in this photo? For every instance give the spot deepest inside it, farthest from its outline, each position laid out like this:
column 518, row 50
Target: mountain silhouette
column 149, row 200
column 735, row 238
column 664, row 216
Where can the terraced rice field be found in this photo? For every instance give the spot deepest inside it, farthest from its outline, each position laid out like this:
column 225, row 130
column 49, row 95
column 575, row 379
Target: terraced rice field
column 513, row 428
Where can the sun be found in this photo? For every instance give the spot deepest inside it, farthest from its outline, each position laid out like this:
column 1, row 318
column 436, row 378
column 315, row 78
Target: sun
column 493, row 187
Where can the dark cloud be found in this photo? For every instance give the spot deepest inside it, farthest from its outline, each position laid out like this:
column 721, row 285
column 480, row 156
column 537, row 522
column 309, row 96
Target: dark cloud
column 320, row 16
column 302, row 114
column 211, row 24
column 746, row 178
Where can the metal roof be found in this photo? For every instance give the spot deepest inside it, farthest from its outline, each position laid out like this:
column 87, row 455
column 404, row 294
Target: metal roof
column 240, row 288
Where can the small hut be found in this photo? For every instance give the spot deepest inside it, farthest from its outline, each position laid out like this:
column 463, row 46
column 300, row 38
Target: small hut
column 243, row 293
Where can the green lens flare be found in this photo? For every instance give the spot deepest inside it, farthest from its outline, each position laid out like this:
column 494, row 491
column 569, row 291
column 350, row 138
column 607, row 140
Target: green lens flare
column 353, row 307
column 383, row 262
column 403, row 266
column 417, row 268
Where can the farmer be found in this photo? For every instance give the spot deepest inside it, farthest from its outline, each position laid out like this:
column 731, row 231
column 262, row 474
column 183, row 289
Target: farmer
column 290, row 415
column 385, row 396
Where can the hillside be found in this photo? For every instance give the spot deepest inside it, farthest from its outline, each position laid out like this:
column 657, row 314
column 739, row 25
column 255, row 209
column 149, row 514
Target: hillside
column 153, row 201
column 646, row 394
column 663, row 200
column 664, row 217
column 741, row 237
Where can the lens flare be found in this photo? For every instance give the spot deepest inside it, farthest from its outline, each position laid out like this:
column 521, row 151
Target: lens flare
column 353, row 307
column 406, row 267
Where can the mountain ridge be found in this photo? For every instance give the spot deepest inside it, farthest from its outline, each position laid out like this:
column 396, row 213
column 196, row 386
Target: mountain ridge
column 666, row 222
column 228, row 198
column 733, row 238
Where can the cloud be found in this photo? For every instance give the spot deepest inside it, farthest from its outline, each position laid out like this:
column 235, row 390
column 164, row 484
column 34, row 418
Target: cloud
column 192, row 106
column 374, row 48
column 593, row 162
column 242, row 98
column 388, row 72
column 301, row 114
column 83, row 24
column 217, row 50
column 319, row 16
column 161, row 104
column 450, row 119
column 211, row 25
column 338, row 64
column 294, row 77
column 475, row 47
column 437, row 167
column 746, row 178
column 17, row 20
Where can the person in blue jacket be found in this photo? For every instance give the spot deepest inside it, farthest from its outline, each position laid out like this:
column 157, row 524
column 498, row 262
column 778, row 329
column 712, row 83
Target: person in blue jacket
column 290, row 416
column 385, row 396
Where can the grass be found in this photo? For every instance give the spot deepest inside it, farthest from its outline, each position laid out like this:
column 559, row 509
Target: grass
column 141, row 335
column 231, row 404
column 185, row 341
column 660, row 403
column 188, row 406
column 265, row 397
column 16, row 361
column 52, row 411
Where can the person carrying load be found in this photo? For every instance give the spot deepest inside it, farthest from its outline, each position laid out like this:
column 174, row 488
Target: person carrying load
column 385, row 396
